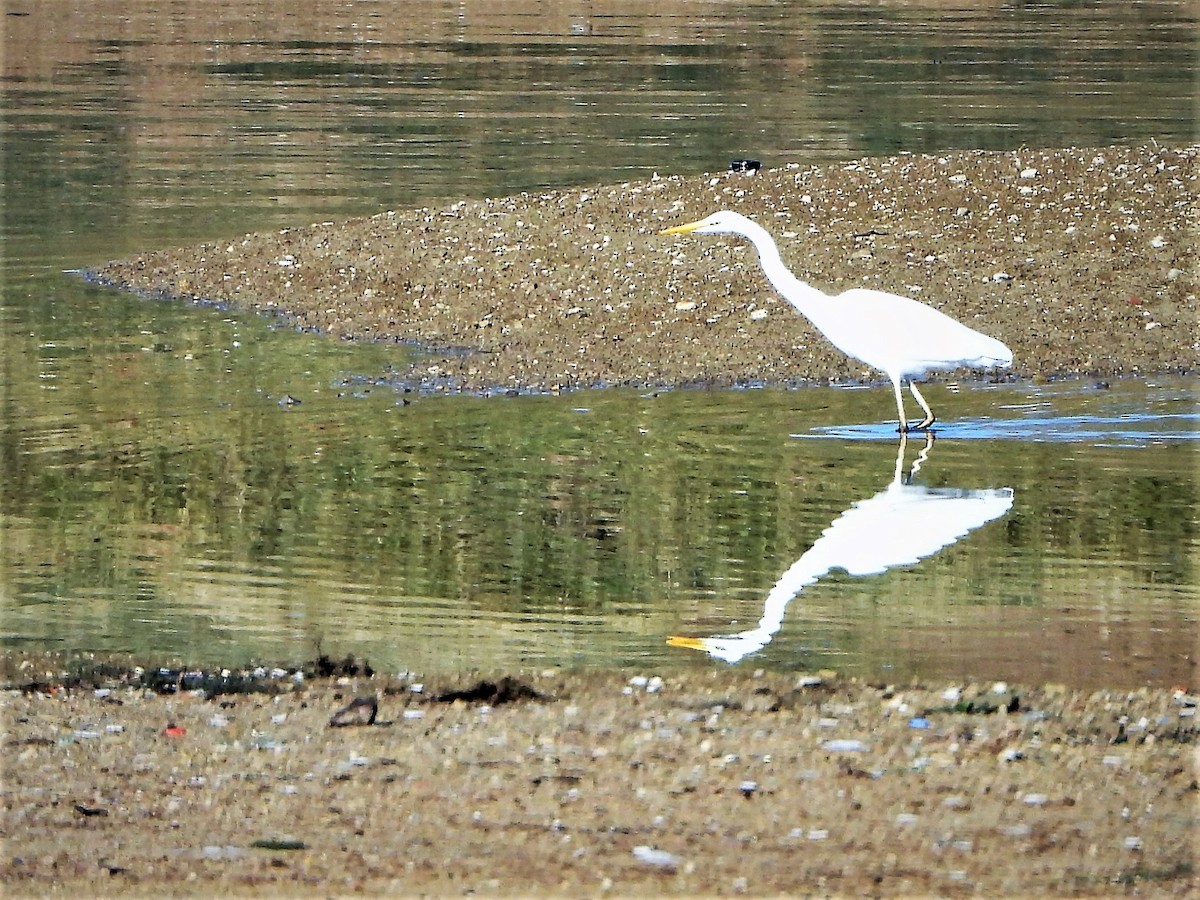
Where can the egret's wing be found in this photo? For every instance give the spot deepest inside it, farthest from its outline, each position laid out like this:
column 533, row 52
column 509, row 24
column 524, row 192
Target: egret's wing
column 902, row 336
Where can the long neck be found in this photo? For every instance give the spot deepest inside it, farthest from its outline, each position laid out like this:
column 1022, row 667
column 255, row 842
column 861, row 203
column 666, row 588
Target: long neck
column 804, row 297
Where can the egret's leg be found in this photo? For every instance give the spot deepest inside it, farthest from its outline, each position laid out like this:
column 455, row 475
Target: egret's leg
column 929, row 417
column 900, row 406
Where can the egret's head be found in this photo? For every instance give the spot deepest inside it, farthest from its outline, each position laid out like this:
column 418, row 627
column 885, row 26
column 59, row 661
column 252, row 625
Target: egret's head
column 730, row 648
column 724, row 222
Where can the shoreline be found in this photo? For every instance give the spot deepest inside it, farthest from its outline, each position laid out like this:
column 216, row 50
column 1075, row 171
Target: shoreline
column 1082, row 261
column 562, row 783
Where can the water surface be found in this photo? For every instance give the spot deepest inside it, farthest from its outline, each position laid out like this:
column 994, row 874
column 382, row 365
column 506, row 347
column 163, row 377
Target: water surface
column 163, row 493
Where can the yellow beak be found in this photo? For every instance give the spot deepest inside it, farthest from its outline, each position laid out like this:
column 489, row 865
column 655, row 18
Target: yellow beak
column 682, row 229
column 690, row 643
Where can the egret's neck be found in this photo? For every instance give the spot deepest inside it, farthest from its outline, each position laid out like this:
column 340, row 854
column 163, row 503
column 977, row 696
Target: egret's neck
column 804, row 297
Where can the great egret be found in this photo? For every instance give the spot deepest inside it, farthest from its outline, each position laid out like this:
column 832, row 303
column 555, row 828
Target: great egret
column 902, row 338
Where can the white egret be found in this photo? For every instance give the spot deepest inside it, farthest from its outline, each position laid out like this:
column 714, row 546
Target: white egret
column 901, row 337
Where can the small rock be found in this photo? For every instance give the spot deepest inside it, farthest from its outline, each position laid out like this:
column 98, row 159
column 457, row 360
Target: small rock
column 218, row 852
column 654, row 857
column 844, row 746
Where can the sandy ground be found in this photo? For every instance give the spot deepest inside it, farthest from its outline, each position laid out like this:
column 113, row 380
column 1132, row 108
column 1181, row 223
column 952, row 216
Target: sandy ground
column 1082, row 261
column 587, row 784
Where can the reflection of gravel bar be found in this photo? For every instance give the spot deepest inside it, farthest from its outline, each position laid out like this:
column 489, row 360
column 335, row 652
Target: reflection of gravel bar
column 572, row 784
column 1082, row 261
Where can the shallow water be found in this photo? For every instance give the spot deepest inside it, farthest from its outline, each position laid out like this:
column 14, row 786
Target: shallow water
column 164, row 494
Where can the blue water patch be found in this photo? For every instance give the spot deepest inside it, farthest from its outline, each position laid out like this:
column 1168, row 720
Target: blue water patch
column 1125, row 415
column 1133, row 430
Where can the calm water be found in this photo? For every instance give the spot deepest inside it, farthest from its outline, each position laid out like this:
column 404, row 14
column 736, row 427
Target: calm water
column 158, row 497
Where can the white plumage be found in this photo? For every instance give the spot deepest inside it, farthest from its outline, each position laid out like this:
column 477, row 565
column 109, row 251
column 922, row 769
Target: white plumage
column 901, row 337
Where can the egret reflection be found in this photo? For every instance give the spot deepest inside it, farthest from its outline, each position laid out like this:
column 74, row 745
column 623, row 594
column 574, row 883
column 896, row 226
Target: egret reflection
column 899, row 526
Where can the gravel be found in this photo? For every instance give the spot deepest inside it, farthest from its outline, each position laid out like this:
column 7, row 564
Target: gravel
column 581, row 784
column 1082, row 260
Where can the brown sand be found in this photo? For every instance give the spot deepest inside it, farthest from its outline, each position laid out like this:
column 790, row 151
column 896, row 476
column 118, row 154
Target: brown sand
column 1082, row 261
column 697, row 784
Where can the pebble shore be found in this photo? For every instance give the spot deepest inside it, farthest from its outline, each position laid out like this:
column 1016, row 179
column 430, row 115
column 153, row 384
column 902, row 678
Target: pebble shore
column 589, row 784
column 1082, row 261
